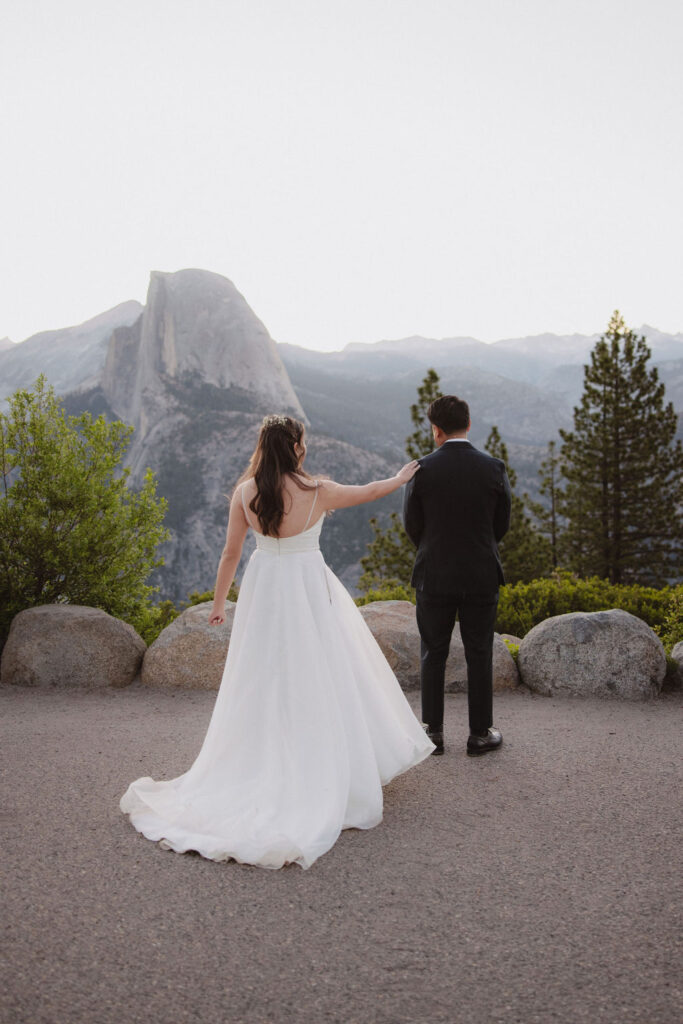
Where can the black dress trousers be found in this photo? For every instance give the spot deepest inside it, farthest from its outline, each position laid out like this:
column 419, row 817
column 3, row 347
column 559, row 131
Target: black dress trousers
column 436, row 615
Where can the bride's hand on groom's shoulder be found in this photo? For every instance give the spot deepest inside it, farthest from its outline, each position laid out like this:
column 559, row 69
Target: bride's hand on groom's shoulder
column 408, row 471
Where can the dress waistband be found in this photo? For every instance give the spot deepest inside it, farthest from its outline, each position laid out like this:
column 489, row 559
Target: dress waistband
column 286, row 545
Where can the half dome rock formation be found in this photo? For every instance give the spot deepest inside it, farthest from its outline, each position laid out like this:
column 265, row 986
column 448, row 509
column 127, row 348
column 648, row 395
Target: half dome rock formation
column 196, row 330
column 194, row 375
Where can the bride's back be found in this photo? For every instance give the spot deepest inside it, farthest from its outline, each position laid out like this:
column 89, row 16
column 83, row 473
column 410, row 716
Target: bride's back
column 300, row 505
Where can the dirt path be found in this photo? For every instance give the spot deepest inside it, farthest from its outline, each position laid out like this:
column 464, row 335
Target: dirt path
column 538, row 884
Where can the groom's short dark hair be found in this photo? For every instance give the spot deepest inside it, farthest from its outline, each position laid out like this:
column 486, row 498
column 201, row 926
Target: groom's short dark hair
column 449, row 413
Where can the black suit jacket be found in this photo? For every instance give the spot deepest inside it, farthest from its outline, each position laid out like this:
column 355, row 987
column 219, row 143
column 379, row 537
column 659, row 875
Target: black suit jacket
column 456, row 509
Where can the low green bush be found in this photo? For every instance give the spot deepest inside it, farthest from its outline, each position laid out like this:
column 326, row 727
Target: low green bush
column 512, row 647
column 671, row 630
column 523, row 605
column 156, row 617
column 392, row 592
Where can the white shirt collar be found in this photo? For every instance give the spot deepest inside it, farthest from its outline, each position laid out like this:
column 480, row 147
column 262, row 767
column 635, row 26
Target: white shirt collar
column 448, row 439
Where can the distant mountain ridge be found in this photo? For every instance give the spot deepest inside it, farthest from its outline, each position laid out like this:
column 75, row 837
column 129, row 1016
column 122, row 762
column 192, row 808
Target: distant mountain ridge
column 194, row 370
column 534, row 359
column 71, row 357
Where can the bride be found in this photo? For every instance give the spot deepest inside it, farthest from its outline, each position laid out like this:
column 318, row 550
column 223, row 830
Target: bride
column 309, row 722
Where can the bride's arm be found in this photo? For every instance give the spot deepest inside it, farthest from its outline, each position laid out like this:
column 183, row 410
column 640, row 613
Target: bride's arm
column 333, row 495
column 230, row 557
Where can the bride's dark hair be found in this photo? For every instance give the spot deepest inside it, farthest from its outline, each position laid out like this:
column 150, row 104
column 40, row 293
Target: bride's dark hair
column 274, row 458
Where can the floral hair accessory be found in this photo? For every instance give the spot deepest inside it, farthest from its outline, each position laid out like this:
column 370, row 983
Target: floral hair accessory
column 274, row 421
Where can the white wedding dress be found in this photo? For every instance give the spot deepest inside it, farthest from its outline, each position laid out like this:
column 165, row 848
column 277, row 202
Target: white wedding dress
column 309, row 723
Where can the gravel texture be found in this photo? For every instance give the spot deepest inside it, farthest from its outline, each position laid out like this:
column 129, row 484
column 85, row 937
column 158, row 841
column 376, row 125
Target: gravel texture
column 536, row 885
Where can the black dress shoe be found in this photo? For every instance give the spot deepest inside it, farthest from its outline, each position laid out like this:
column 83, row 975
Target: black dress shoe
column 482, row 744
column 437, row 740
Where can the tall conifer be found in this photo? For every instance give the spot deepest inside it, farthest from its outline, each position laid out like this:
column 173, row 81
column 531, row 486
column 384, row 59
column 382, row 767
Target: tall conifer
column 421, row 441
column 623, row 468
column 524, row 552
column 547, row 513
column 390, row 556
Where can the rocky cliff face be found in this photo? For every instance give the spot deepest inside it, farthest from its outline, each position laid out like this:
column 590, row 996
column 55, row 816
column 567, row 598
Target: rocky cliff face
column 194, row 375
column 72, row 358
column 197, row 330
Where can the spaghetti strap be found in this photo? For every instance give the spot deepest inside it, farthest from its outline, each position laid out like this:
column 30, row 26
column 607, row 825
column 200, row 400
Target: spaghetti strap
column 246, row 514
column 310, row 511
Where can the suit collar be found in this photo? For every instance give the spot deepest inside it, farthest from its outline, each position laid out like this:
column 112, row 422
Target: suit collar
column 464, row 443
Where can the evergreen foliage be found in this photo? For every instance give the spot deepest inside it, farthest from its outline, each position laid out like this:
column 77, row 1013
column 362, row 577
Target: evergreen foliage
column 157, row 617
column 421, row 441
column 623, row 498
column 524, row 551
column 71, row 531
column 547, row 515
column 671, row 629
column 523, row 605
column 387, row 593
column 390, row 555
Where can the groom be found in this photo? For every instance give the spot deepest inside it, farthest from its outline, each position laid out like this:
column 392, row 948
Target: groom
column 456, row 509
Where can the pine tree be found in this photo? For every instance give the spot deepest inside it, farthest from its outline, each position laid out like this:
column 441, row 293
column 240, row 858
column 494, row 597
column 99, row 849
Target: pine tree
column 623, row 468
column 390, row 556
column 524, row 552
column 547, row 514
column 421, row 442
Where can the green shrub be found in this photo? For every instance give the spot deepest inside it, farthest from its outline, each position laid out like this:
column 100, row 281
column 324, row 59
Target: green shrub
column 671, row 629
column 157, row 617
column 71, row 530
column 512, row 647
column 391, row 592
column 153, row 618
column 523, row 605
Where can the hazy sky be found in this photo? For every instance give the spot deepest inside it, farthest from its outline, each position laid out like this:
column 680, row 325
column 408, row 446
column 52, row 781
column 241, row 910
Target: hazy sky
column 361, row 169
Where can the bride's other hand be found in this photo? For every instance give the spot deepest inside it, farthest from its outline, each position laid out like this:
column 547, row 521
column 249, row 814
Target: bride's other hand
column 217, row 617
column 408, row 471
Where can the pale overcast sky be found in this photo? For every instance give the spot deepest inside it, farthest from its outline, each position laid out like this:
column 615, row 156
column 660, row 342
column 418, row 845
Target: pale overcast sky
column 361, row 169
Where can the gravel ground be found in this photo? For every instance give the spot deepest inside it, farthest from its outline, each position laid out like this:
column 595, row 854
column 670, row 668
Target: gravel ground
column 536, row 884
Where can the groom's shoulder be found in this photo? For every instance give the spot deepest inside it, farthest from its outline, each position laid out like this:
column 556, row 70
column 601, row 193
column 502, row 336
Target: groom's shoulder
column 426, row 461
column 492, row 460
column 492, row 466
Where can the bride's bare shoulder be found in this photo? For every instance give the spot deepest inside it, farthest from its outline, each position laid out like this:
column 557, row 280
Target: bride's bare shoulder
column 244, row 490
column 309, row 481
